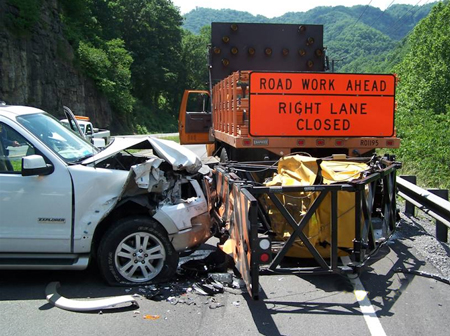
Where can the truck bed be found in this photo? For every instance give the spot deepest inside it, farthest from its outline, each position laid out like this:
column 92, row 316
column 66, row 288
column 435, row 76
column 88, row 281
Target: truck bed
column 232, row 112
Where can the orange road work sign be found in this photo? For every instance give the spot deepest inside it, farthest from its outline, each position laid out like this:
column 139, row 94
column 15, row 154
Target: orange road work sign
column 321, row 104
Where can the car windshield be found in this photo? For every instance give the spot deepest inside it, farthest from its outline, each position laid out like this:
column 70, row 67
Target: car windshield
column 65, row 143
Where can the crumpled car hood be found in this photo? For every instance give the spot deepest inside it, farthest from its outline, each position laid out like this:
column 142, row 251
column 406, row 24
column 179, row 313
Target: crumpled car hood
column 178, row 156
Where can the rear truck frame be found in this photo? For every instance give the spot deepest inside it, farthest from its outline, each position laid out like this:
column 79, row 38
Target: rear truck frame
column 270, row 96
column 235, row 204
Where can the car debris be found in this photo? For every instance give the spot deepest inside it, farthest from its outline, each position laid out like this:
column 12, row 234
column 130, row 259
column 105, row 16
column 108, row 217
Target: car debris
column 225, row 278
column 208, row 286
column 213, row 304
column 195, row 283
column 172, row 299
column 215, row 262
column 52, row 295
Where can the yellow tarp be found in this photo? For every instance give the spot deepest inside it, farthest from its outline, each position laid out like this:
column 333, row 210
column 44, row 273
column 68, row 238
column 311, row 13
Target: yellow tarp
column 300, row 170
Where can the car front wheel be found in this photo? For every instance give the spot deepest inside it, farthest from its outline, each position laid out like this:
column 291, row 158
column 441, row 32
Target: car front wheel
column 136, row 251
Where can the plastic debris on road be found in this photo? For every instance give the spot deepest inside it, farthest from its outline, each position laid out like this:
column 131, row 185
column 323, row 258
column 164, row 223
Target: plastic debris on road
column 51, row 293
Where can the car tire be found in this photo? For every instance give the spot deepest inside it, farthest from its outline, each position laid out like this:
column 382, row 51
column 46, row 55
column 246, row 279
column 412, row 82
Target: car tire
column 136, row 251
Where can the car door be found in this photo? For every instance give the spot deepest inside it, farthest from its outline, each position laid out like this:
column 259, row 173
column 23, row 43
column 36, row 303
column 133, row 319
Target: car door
column 195, row 118
column 36, row 211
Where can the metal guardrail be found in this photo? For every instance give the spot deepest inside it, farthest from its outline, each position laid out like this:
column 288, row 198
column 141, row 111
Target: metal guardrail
column 433, row 202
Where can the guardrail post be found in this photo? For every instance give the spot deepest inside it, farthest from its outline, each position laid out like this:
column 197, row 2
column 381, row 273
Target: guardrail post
column 441, row 228
column 410, row 209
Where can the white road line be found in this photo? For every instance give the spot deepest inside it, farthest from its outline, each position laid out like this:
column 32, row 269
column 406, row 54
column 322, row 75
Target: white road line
column 371, row 318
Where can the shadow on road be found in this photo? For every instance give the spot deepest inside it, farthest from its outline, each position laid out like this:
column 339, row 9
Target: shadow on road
column 30, row 285
column 384, row 285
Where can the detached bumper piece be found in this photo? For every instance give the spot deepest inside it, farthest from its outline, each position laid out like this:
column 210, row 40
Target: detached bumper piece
column 51, row 293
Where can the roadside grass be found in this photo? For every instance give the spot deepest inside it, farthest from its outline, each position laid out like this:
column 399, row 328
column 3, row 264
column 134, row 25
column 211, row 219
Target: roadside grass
column 175, row 138
column 16, row 164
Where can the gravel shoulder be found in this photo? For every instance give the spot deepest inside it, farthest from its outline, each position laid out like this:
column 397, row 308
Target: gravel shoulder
column 421, row 234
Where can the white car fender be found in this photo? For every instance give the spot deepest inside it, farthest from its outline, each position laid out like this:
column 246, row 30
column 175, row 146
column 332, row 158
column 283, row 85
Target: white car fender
column 96, row 193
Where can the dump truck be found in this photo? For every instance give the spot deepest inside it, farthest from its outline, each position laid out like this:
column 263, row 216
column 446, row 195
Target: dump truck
column 270, row 95
column 298, row 188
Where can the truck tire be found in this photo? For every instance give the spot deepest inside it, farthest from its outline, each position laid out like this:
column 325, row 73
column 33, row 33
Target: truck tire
column 136, row 251
column 223, row 156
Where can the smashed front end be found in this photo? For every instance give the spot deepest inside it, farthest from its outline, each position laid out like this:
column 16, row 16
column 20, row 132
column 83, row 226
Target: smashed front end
column 166, row 180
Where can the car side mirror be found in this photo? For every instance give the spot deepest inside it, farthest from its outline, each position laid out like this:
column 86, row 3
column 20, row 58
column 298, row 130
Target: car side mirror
column 35, row 165
column 98, row 142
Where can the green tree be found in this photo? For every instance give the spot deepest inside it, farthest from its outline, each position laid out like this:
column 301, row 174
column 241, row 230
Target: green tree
column 110, row 68
column 25, row 17
column 195, row 59
column 425, row 71
column 151, row 30
column 132, row 49
column 423, row 118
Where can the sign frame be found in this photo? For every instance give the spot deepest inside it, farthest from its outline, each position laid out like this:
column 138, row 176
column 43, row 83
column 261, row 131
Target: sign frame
column 320, row 104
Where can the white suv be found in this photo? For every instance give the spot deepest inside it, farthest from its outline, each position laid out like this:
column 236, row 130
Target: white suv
column 63, row 201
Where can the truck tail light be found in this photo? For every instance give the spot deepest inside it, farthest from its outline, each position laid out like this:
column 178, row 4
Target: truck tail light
column 246, row 142
column 265, row 250
column 264, row 258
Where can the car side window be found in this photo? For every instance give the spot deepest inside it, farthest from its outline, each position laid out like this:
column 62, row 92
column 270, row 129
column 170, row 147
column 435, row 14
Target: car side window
column 13, row 147
column 89, row 129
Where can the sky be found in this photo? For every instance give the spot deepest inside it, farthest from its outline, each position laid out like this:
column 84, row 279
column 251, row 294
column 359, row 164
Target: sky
column 279, row 7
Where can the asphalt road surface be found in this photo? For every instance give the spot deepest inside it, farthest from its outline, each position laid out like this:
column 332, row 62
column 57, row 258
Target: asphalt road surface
column 289, row 305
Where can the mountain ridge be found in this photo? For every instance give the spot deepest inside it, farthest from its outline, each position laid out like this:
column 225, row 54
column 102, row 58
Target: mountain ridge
column 357, row 38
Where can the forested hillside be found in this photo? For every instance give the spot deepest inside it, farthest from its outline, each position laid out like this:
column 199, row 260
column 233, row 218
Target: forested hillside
column 141, row 59
column 131, row 50
column 401, row 17
column 358, row 38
